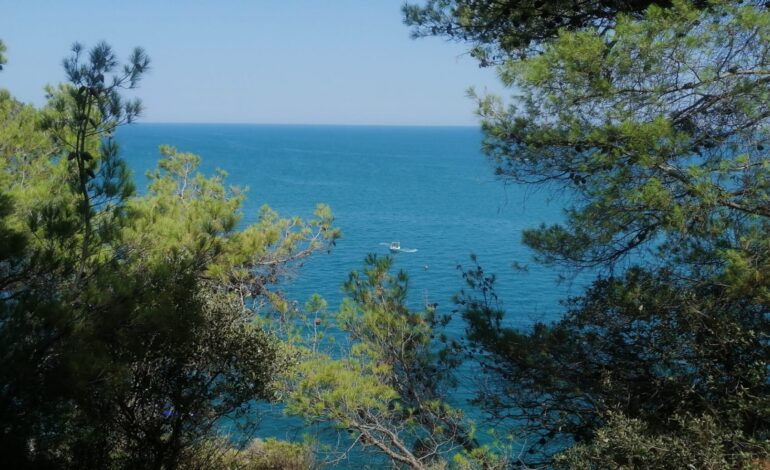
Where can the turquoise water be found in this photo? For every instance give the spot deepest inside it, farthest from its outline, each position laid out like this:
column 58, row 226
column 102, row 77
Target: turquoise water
column 428, row 187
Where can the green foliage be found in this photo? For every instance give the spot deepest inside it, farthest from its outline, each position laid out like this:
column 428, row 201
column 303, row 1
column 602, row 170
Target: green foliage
column 271, row 454
column 692, row 443
column 268, row 454
column 81, row 116
column 500, row 29
column 495, row 456
column 655, row 124
column 645, row 345
column 3, row 60
column 128, row 322
column 650, row 155
column 389, row 390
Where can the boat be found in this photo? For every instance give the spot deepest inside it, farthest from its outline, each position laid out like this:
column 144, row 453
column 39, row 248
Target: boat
column 395, row 247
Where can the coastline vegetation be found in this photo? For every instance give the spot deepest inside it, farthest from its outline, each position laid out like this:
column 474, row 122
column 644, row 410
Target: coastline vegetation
column 133, row 325
column 654, row 117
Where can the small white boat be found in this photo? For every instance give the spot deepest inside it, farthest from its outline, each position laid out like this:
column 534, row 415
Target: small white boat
column 395, row 247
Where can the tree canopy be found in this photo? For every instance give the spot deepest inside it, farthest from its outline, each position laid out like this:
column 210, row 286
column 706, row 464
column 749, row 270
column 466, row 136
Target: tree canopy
column 655, row 123
column 128, row 322
column 389, row 390
column 501, row 29
column 133, row 325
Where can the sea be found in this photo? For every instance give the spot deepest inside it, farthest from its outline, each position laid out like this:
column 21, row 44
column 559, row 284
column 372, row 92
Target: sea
column 429, row 188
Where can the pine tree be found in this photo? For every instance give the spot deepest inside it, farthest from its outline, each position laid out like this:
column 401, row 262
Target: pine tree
column 656, row 126
column 127, row 323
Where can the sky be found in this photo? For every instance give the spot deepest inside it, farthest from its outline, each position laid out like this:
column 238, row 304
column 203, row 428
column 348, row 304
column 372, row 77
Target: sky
column 258, row 61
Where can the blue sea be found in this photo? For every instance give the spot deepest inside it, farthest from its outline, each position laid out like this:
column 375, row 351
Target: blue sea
column 430, row 188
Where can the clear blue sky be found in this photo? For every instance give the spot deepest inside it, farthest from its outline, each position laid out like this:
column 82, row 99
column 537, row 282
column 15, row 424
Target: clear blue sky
column 259, row 61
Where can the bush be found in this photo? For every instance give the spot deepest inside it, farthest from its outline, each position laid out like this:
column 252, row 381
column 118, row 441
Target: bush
column 258, row 454
column 625, row 443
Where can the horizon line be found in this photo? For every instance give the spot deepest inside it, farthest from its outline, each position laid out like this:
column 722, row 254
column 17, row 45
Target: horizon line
column 303, row 124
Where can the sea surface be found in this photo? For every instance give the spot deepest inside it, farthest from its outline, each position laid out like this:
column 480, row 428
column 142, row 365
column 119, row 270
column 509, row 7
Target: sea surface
column 430, row 188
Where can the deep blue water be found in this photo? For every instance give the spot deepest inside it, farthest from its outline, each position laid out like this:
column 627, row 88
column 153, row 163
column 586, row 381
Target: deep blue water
column 428, row 187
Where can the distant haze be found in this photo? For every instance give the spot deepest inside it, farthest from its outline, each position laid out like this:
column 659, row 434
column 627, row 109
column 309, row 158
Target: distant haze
column 289, row 61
